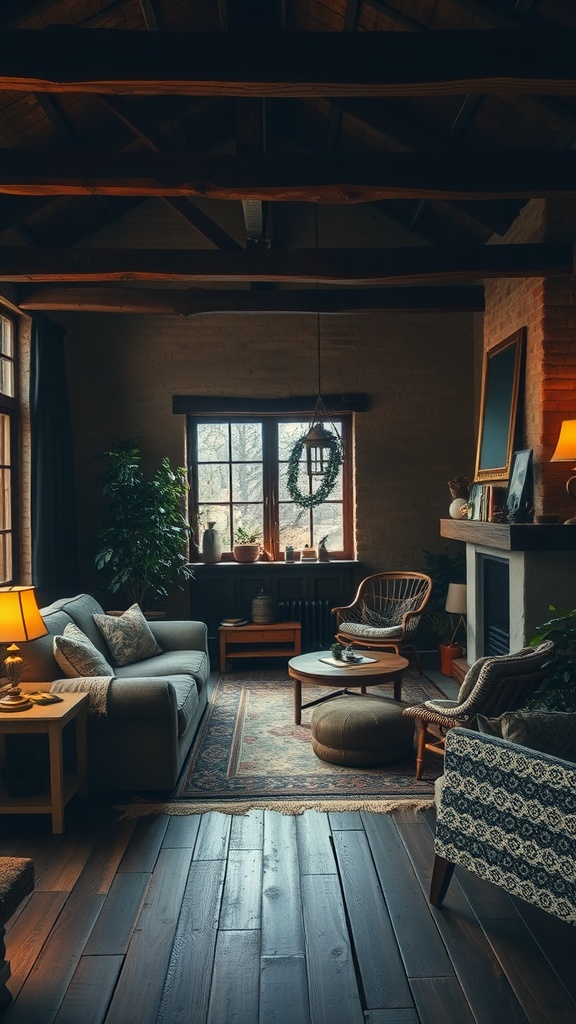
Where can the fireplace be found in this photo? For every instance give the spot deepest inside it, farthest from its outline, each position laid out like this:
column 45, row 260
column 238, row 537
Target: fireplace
column 513, row 574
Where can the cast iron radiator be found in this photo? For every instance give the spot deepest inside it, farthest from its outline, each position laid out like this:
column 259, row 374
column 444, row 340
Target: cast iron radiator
column 317, row 623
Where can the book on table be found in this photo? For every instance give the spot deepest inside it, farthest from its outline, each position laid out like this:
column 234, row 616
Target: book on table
column 234, row 622
column 341, row 663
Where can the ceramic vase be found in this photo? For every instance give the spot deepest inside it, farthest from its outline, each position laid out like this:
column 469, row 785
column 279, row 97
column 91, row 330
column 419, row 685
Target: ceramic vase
column 263, row 609
column 211, row 545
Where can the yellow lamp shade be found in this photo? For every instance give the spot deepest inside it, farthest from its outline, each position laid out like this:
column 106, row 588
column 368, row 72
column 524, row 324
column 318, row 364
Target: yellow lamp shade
column 20, row 619
column 565, row 450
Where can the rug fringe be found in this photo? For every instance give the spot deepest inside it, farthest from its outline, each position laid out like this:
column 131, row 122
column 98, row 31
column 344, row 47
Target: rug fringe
column 373, row 806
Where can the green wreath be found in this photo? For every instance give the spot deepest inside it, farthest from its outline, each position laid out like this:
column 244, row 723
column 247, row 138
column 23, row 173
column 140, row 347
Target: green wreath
column 329, row 477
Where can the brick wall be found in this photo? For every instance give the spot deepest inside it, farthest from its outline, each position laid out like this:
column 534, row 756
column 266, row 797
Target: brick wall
column 547, row 308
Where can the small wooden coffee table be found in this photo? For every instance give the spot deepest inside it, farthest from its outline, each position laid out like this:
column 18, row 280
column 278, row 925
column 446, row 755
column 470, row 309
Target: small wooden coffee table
column 307, row 668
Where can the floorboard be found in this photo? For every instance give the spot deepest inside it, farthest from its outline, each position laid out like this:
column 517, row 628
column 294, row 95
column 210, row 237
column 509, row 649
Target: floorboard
column 322, row 918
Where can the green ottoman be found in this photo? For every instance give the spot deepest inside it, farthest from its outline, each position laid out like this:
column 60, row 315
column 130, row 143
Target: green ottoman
column 361, row 732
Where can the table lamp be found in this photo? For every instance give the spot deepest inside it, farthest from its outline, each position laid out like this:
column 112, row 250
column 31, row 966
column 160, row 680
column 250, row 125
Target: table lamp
column 456, row 605
column 20, row 620
column 565, row 451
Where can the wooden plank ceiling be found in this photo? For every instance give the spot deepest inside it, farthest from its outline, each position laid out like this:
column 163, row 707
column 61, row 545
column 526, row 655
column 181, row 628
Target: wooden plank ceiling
column 242, row 117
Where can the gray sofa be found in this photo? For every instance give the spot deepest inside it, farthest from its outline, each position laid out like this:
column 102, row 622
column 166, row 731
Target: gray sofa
column 153, row 707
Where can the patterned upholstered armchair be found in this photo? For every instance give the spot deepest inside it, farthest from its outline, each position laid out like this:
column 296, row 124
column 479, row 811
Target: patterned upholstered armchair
column 385, row 613
column 508, row 814
column 491, row 686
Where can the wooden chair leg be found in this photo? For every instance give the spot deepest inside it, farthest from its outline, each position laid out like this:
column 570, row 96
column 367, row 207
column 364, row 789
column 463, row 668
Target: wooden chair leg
column 421, row 736
column 441, row 875
column 5, row 995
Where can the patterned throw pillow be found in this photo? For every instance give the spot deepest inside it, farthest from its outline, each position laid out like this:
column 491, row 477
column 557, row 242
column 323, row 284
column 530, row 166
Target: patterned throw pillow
column 128, row 636
column 77, row 655
column 550, row 732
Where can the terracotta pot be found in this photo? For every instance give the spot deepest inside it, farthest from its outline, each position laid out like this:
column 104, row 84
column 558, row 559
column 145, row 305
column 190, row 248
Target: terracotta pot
column 447, row 654
column 246, row 552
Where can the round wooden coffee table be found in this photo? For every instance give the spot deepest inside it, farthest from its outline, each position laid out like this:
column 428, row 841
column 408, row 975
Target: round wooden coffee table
column 308, row 668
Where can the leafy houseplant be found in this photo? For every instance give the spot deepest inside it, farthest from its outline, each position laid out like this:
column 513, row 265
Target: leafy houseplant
column 558, row 691
column 443, row 568
column 143, row 541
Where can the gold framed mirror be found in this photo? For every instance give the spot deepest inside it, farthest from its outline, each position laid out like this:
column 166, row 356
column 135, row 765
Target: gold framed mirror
column 499, row 408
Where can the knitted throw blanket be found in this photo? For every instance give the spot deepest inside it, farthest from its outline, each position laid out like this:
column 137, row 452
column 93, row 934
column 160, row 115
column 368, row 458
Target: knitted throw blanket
column 95, row 686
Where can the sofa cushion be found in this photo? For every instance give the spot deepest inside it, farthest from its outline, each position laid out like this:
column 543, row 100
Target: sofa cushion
column 169, row 663
column 80, row 610
column 128, row 636
column 77, row 655
column 186, row 699
column 550, row 732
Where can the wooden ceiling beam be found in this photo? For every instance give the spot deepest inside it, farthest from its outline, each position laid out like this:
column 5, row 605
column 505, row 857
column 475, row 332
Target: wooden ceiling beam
column 289, row 178
column 195, row 302
column 66, row 59
column 409, row 264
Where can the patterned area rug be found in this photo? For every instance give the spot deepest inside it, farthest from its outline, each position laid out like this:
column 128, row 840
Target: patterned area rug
column 249, row 749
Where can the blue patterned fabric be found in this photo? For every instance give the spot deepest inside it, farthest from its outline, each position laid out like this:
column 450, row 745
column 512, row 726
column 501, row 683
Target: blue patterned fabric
column 508, row 814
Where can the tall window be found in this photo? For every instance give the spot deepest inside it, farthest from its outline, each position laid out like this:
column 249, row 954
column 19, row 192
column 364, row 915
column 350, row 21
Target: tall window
column 8, row 432
column 238, row 479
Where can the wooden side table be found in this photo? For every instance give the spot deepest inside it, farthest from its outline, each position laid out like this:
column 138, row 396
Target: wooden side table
column 275, row 640
column 49, row 719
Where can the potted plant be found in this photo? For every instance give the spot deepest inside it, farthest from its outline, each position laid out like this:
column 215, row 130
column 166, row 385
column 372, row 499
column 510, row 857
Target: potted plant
column 143, row 541
column 558, row 691
column 440, row 624
column 246, row 545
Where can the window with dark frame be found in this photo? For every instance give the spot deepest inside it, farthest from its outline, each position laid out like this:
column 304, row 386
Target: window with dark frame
column 237, row 470
column 8, row 440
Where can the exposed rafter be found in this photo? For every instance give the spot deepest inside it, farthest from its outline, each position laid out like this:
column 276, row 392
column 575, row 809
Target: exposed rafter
column 194, row 302
column 62, row 59
column 414, row 265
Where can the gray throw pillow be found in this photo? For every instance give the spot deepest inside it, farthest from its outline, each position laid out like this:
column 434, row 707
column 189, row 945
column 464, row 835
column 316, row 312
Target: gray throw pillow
column 77, row 655
column 550, row 732
column 128, row 636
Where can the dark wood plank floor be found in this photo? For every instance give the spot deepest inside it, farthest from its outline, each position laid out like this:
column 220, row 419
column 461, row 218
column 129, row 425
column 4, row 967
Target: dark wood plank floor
column 267, row 919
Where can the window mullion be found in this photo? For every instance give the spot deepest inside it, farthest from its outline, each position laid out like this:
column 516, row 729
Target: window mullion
column 270, row 485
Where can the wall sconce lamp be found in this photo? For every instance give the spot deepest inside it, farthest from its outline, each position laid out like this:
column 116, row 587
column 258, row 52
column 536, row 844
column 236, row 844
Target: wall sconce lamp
column 20, row 620
column 456, row 605
column 565, row 451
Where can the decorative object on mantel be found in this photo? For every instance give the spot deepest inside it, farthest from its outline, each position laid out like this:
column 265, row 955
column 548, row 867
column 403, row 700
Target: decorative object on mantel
column 323, row 448
column 459, row 489
column 519, row 496
column 211, row 545
column 565, row 451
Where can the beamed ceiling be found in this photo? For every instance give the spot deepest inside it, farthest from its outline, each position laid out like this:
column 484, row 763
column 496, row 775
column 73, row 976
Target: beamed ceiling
column 442, row 117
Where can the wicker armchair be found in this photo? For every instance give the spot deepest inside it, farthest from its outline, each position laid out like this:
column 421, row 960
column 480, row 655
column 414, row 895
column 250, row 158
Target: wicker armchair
column 506, row 813
column 491, row 686
column 385, row 613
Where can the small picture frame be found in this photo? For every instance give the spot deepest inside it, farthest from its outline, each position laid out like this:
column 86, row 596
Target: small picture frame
column 520, row 485
column 475, row 501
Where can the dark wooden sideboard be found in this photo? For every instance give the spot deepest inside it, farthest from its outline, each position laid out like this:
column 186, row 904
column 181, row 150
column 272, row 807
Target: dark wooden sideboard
column 228, row 588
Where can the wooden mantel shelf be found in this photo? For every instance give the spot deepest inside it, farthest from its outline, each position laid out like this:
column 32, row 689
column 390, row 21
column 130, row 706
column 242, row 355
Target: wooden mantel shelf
column 511, row 536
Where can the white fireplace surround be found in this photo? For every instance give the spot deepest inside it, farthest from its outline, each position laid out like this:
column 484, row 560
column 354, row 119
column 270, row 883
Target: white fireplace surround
column 537, row 580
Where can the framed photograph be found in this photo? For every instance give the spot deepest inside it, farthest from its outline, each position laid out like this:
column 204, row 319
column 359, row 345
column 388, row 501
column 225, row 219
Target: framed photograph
column 498, row 408
column 520, row 486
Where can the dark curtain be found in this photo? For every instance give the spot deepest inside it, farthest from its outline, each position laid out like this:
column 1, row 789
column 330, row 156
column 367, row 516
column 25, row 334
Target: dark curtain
column 53, row 493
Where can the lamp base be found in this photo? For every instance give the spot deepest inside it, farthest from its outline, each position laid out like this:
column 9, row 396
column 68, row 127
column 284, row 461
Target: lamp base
column 15, row 701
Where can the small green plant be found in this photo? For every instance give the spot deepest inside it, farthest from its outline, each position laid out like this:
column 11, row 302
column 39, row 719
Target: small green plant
column 336, row 651
column 558, row 691
column 243, row 536
column 440, row 624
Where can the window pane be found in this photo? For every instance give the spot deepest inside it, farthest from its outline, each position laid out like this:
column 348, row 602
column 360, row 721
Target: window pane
column 213, row 445
column 4, row 439
column 246, row 441
column 5, row 557
column 250, row 517
column 294, row 526
column 288, row 434
column 247, row 482
column 6, row 377
column 213, row 482
column 328, row 523
column 5, row 500
column 6, row 337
